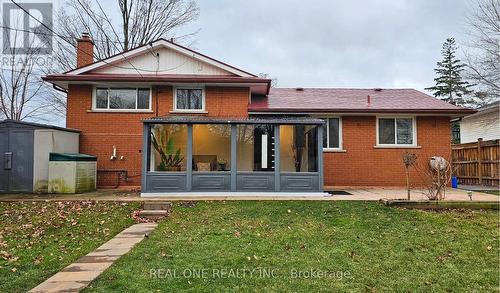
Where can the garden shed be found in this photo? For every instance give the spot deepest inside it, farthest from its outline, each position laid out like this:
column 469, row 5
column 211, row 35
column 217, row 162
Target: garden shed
column 24, row 154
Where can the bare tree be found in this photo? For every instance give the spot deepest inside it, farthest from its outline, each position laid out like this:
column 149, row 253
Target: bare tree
column 274, row 80
column 22, row 92
column 409, row 160
column 140, row 22
column 483, row 56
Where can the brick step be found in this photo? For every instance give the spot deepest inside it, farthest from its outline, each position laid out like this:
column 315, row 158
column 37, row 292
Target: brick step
column 153, row 206
column 153, row 214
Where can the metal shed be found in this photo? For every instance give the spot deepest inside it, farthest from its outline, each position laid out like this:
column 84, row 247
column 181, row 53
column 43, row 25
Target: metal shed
column 24, row 153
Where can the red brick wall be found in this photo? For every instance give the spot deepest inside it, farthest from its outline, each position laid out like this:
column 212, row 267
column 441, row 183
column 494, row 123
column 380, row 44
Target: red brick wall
column 84, row 51
column 361, row 165
column 102, row 131
column 364, row 165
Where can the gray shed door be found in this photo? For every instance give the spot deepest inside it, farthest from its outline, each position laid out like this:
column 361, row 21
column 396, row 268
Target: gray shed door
column 16, row 169
column 4, row 149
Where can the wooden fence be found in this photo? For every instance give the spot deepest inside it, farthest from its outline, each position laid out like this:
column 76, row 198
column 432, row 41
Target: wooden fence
column 477, row 163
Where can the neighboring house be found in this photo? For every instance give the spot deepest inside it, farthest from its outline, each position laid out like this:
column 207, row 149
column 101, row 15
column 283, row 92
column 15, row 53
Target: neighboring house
column 220, row 128
column 484, row 124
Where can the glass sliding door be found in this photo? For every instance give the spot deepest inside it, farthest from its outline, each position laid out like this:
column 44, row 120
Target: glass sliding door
column 298, row 148
column 255, row 158
column 299, row 161
column 255, row 148
column 212, row 147
column 167, row 160
column 168, row 147
column 211, row 157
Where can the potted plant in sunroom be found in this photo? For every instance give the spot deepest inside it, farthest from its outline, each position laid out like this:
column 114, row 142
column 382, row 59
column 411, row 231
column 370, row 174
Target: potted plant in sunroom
column 170, row 157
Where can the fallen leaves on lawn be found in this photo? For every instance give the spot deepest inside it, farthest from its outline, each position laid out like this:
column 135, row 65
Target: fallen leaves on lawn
column 38, row 260
column 59, row 226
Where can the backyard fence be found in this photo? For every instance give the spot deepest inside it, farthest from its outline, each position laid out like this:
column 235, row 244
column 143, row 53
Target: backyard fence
column 477, row 163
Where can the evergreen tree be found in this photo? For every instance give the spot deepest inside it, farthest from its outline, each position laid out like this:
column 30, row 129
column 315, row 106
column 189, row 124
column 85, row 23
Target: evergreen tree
column 449, row 84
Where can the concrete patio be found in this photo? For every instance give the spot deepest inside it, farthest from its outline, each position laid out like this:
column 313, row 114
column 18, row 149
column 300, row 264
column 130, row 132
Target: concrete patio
column 356, row 193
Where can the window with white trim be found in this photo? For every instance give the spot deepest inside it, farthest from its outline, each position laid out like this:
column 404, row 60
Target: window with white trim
column 332, row 133
column 189, row 99
column 122, row 98
column 396, row 131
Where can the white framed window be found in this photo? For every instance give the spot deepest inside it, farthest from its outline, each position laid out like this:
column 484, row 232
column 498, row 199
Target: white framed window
column 189, row 99
column 122, row 99
column 396, row 131
column 332, row 133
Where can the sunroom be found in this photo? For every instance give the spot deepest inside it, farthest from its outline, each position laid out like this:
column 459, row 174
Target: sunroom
column 222, row 155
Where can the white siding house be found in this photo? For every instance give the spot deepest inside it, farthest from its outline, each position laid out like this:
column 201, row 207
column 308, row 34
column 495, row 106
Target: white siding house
column 484, row 124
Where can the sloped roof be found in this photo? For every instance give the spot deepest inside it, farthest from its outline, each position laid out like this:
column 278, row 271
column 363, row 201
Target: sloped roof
column 115, row 69
column 349, row 100
column 146, row 49
column 7, row 123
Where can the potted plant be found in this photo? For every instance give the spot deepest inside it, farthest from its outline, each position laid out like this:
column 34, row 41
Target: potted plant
column 170, row 157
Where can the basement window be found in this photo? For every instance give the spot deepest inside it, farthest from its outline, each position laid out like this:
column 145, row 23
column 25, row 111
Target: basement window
column 398, row 131
column 116, row 99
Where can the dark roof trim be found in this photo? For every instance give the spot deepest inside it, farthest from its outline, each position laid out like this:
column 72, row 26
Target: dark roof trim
column 38, row 125
column 209, row 120
column 155, row 78
column 332, row 110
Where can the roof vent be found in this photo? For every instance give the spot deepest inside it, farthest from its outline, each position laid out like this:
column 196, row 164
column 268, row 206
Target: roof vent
column 299, row 89
column 377, row 89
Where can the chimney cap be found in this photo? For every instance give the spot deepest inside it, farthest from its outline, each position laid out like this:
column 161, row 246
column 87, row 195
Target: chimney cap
column 377, row 89
column 299, row 89
column 85, row 38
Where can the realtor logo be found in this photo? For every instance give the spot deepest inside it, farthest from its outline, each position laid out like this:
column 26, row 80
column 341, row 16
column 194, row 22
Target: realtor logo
column 27, row 29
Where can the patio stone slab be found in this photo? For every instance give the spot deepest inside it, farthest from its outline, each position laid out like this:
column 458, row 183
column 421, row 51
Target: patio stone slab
column 78, row 267
column 97, row 259
column 82, row 276
column 108, row 252
column 59, row 287
column 78, row 275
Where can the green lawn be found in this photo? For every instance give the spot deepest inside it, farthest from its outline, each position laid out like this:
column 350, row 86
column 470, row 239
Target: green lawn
column 214, row 246
column 37, row 239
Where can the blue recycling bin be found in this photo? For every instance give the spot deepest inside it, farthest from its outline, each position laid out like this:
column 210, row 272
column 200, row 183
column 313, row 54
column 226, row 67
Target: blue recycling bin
column 454, row 182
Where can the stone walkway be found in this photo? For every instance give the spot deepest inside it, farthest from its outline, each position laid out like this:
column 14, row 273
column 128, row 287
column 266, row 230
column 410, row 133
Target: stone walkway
column 78, row 275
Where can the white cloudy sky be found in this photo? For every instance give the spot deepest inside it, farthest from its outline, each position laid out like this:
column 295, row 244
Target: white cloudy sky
column 341, row 43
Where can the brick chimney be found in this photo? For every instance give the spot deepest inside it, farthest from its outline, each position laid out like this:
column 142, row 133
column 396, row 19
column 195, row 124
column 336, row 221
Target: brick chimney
column 84, row 51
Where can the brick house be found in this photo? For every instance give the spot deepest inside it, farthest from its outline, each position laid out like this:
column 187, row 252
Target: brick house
column 170, row 119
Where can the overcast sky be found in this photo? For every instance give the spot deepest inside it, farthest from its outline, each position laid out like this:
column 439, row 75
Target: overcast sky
column 341, row 43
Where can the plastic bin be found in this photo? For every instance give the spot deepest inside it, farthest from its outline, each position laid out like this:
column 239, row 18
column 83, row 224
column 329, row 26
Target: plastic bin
column 72, row 173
